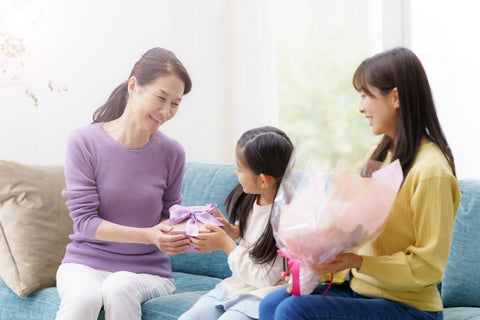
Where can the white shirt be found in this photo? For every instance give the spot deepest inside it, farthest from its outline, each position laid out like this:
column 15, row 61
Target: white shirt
column 249, row 277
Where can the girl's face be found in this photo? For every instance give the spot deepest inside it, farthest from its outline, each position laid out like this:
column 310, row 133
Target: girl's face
column 250, row 181
column 155, row 103
column 381, row 111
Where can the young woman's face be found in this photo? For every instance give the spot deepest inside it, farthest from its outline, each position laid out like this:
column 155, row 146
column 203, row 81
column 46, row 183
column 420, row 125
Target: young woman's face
column 381, row 111
column 250, row 182
column 157, row 102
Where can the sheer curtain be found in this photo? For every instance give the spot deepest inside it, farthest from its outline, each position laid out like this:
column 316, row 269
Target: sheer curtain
column 228, row 48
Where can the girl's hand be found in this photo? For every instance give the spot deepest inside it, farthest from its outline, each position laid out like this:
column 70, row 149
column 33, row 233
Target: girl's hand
column 341, row 262
column 231, row 230
column 171, row 244
column 216, row 239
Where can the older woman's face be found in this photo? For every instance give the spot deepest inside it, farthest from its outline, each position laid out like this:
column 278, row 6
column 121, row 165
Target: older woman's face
column 157, row 102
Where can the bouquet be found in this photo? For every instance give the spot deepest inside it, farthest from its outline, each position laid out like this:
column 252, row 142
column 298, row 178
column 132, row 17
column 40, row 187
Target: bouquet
column 192, row 220
column 317, row 216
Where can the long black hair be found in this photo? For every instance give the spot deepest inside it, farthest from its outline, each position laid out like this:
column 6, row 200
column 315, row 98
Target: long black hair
column 400, row 68
column 156, row 62
column 265, row 150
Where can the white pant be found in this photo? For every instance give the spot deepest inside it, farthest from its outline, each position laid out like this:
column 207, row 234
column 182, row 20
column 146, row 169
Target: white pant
column 83, row 291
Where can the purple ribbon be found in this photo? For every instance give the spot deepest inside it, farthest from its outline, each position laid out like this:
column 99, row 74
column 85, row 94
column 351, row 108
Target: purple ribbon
column 204, row 214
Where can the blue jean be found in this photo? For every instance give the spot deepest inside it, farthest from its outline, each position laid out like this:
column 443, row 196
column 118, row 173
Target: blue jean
column 340, row 302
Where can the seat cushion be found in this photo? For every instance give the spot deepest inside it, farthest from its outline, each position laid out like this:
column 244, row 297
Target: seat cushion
column 43, row 304
column 461, row 313
column 189, row 289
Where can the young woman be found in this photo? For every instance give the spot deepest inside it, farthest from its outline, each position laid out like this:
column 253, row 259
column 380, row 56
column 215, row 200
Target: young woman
column 122, row 175
column 395, row 276
column 262, row 156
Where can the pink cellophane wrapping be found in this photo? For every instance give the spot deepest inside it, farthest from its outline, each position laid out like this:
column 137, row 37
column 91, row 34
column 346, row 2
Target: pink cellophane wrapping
column 313, row 223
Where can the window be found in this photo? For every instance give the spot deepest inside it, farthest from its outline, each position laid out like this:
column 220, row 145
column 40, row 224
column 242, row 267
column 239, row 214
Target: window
column 319, row 44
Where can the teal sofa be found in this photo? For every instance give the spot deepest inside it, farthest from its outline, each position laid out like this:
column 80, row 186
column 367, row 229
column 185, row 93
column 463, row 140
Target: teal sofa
column 197, row 273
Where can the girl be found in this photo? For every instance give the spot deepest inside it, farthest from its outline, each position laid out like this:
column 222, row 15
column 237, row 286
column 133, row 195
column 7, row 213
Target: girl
column 395, row 276
column 262, row 155
column 122, row 175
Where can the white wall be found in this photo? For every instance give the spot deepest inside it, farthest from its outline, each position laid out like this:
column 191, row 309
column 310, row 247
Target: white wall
column 228, row 47
column 88, row 46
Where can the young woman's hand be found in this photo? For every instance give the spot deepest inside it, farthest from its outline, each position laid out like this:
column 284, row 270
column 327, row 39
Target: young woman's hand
column 171, row 244
column 231, row 230
column 341, row 262
column 216, row 239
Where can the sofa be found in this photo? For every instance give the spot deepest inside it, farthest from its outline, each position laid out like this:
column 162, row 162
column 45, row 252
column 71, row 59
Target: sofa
column 34, row 229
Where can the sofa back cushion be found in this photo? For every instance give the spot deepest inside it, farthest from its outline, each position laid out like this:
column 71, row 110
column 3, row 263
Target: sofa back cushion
column 459, row 286
column 206, row 183
column 34, row 225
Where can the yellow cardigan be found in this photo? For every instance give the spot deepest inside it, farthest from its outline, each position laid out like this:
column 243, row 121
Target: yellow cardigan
column 407, row 261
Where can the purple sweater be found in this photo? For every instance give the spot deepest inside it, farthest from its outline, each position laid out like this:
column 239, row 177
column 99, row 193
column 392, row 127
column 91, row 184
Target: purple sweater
column 129, row 186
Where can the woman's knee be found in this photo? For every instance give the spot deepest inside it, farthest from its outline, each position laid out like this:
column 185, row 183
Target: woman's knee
column 119, row 286
column 269, row 304
column 80, row 302
column 286, row 309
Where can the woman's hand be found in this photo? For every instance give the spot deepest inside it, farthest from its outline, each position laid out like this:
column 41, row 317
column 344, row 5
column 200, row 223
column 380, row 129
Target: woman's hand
column 341, row 262
column 231, row 230
column 216, row 239
column 171, row 244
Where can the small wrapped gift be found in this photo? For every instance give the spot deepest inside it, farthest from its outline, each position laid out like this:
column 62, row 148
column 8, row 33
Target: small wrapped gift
column 192, row 220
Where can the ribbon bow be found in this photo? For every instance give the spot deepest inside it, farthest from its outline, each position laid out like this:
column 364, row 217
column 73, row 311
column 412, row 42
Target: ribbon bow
column 204, row 214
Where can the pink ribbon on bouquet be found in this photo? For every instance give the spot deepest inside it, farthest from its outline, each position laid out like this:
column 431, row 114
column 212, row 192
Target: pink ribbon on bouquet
column 204, row 214
column 295, row 271
column 294, row 265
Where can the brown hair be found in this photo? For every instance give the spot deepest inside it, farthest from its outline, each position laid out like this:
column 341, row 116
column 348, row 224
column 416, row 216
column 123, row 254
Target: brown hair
column 400, row 68
column 154, row 63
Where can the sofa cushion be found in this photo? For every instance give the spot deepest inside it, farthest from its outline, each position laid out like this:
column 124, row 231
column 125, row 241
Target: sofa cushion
column 216, row 181
column 459, row 286
column 461, row 313
column 189, row 289
column 43, row 304
column 205, row 183
column 34, row 225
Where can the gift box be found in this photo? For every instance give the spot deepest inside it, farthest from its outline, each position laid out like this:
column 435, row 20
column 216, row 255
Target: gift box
column 191, row 220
